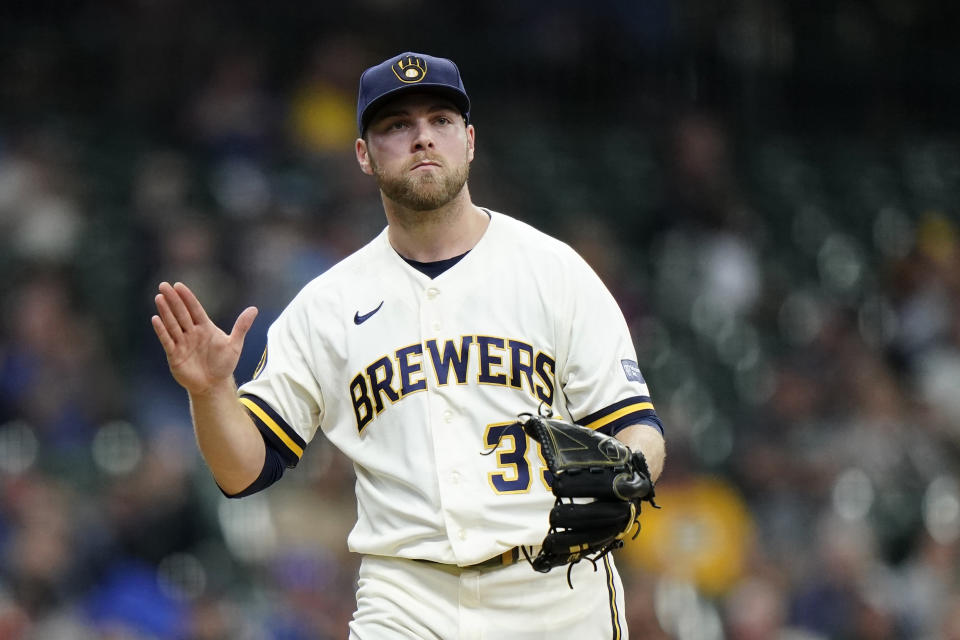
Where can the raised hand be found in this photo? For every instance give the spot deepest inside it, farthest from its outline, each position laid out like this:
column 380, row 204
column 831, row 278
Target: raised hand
column 201, row 356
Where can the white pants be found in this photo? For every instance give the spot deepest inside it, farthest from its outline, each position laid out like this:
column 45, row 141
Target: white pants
column 401, row 599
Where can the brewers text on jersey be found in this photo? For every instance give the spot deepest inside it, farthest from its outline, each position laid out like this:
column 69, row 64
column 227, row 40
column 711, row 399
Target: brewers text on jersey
column 499, row 361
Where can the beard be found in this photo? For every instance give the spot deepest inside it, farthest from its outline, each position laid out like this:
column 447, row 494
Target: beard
column 426, row 191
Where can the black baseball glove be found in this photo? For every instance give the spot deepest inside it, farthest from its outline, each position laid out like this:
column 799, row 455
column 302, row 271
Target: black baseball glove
column 588, row 464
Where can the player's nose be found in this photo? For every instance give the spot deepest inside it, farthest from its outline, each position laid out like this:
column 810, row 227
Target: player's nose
column 422, row 136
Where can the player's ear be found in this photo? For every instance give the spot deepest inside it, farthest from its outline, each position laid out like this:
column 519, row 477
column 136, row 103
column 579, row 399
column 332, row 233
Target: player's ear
column 471, row 142
column 363, row 157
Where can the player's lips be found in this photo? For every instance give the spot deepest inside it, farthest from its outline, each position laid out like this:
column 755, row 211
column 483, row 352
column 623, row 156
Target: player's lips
column 424, row 163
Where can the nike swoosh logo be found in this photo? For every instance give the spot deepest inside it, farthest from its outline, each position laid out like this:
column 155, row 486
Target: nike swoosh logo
column 360, row 319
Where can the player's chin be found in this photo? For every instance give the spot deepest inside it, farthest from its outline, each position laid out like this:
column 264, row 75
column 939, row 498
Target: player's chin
column 428, row 202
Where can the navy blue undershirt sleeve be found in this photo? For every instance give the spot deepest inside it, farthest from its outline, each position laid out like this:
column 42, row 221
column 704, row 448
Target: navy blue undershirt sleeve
column 273, row 468
column 650, row 421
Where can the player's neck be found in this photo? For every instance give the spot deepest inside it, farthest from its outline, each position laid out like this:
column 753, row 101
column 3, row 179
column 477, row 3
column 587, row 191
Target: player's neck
column 428, row 236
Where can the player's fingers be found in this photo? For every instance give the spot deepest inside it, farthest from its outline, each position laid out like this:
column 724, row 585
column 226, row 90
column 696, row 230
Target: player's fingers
column 243, row 324
column 176, row 305
column 194, row 308
column 166, row 316
column 161, row 330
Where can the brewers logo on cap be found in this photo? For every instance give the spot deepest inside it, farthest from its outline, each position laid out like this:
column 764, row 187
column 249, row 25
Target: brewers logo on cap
column 410, row 69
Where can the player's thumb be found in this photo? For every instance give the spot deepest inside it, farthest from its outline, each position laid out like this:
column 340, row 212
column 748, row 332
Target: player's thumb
column 242, row 325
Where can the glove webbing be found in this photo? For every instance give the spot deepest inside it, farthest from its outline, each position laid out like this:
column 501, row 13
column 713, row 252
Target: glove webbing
column 597, row 555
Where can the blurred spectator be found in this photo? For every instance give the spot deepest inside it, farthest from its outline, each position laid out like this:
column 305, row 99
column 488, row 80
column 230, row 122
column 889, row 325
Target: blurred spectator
column 925, row 285
column 708, row 264
column 642, row 618
column 40, row 218
column 593, row 237
column 949, row 628
column 40, row 566
column 233, row 114
column 927, row 589
column 323, row 110
column 757, row 609
column 190, row 251
column 54, row 371
column 843, row 594
column 704, row 538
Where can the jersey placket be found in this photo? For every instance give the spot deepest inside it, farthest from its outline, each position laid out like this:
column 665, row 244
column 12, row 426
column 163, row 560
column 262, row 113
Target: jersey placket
column 444, row 415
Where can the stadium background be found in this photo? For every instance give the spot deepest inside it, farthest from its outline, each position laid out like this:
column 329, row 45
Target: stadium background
column 769, row 188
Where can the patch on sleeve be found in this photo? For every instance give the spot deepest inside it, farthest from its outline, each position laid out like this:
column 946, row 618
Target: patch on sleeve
column 262, row 364
column 632, row 370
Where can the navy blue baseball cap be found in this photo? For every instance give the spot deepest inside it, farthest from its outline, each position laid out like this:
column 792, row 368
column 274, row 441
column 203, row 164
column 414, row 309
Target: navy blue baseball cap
column 405, row 73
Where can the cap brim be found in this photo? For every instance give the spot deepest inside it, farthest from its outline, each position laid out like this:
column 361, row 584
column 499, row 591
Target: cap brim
column 460, row 100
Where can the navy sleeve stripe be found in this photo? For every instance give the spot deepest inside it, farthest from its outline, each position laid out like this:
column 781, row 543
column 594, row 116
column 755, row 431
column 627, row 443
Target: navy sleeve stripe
column 274, row 428
column 613, row 412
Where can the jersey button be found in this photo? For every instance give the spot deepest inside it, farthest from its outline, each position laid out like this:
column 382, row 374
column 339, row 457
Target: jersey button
column 462, row 534
column 433, row 292
column 455, row 478
column 448, row 416
column 436, row 326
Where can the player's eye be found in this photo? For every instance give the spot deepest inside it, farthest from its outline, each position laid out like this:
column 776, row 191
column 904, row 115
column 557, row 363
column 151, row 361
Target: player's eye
column 392, row 124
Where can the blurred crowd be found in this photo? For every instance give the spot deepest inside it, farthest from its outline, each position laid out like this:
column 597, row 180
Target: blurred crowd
column 794, row 294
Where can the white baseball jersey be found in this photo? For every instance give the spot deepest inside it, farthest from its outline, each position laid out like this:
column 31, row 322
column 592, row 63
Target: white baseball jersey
column 415, row 379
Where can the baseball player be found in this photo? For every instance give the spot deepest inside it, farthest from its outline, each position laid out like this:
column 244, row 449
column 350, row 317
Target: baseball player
column 414, row 356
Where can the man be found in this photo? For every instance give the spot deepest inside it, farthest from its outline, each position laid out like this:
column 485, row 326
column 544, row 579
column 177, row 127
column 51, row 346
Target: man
column 414, row 356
